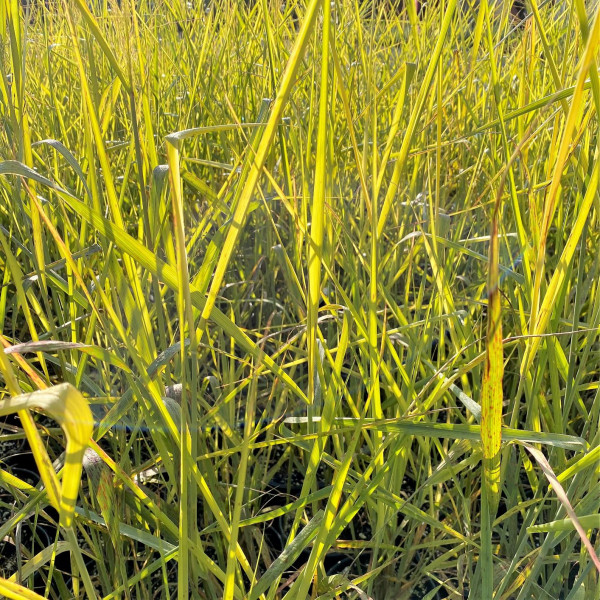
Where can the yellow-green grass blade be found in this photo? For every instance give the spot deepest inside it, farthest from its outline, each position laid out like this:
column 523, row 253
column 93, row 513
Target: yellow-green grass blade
column 176, row 138
column 189, row 411
column 92, row 23
column 564, row 500
column 54, row 346
column 8, row 479
column 454, row 431
column 12, row 385
column 287, row 557
column 408, row 139
column 188, row 447
column 14, row 591
column 146, row 258
column 372, row 405
column 241, row 485
column 315, row 248
column 71, row 160
column 559, row 275
column 65, row 404
column 317, row 451
column 508, row 172
column 39, row 560
column 591, row 459
column 587, row 522
column 574, row 116
column 341, row 89
column 491, row 410
column 28, row 301
column 300, row 588
column 401, row 98
column 491, row 387
column 144, row 333
column 534, row 106
column 258, row 161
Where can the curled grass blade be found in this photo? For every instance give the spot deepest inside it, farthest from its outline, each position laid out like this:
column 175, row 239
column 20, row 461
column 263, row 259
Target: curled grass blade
column 65, row 404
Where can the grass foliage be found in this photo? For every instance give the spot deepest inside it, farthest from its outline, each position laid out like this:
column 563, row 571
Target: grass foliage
column 327, row 276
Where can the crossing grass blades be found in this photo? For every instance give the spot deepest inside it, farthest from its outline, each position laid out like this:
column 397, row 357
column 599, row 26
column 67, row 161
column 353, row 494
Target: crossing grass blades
column 299, row 300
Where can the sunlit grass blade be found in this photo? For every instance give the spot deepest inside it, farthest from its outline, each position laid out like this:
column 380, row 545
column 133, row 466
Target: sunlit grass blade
column 65, row 404
column 14, row 591
column 340, row 179
column 142, row 255
column 315, row 248
column 558, row 276
column 574, row 116
column 100, row 38
column 491, row 385
column 258, row 161
column 591, row 459
column 408, row 139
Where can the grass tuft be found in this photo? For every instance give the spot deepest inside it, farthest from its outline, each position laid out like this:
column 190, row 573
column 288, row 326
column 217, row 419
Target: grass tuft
column 299, row 300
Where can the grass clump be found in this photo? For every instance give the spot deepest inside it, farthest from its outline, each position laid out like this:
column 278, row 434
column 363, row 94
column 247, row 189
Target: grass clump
column 326, row 275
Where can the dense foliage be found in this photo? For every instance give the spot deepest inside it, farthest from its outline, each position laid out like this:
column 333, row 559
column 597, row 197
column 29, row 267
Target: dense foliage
column 255, row 239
